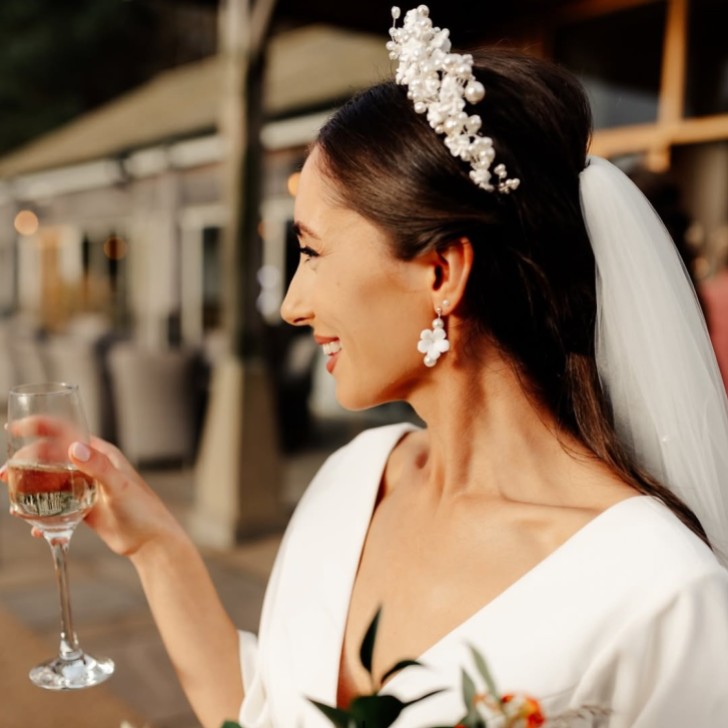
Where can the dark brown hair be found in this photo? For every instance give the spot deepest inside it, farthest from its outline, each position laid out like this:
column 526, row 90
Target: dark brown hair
column 532, row 288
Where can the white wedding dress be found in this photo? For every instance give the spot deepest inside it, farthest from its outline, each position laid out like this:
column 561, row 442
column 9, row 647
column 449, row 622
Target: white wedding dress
column 629, row 614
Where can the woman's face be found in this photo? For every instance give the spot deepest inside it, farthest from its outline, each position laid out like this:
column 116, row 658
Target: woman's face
column 366, row 308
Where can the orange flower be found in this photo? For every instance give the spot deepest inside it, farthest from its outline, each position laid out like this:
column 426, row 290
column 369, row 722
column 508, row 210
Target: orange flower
column 529, row 710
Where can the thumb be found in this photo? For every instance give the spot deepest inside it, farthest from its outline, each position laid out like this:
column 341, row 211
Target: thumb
column 79, row 452
column 96, row 464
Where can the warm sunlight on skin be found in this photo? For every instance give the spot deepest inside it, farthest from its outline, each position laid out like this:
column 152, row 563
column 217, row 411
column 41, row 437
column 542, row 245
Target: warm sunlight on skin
column 351, row 291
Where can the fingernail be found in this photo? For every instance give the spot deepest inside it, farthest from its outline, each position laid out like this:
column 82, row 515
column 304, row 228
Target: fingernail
column 80, row 451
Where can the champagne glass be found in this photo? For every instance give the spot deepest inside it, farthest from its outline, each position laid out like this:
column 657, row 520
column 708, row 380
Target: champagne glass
column 51, row 494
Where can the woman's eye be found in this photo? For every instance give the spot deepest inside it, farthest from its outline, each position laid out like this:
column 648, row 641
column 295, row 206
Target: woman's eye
column 307, row 252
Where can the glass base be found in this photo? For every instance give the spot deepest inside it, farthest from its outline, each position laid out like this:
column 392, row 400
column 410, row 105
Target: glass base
column 71, row 674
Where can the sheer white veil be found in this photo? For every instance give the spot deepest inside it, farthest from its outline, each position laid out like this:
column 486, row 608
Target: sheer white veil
column 654, row 355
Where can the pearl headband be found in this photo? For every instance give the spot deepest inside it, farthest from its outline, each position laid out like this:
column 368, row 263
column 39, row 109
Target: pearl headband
column 439, row 83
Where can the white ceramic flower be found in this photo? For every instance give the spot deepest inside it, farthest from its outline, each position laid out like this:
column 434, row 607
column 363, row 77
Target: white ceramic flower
column 433, row 342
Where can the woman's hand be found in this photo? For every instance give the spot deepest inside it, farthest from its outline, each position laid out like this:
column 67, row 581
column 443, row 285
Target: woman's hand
column 128, row 514
column 200, row 638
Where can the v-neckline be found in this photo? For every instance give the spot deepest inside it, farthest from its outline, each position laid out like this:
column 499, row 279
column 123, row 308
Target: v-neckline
column 563, row 549
column 550, row 561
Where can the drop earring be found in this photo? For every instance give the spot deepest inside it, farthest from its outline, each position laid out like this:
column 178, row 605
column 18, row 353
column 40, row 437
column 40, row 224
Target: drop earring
column 433, row 342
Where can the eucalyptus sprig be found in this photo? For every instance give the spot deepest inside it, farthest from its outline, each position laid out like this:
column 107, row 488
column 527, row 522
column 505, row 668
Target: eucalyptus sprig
column 373, row 710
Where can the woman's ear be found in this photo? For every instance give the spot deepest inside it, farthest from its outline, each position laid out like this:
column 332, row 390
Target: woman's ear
column 451, row 267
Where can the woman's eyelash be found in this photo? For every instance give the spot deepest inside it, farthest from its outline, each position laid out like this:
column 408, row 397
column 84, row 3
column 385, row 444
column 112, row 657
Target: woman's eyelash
column 308, row 252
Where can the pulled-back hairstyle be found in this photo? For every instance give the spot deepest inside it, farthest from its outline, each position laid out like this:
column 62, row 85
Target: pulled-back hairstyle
column 532, row 288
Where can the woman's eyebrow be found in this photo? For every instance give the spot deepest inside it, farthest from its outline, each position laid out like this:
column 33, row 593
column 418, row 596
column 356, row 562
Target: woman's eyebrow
column 302, row 229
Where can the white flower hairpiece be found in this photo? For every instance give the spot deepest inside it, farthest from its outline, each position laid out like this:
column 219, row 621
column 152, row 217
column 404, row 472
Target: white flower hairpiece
column 439, row 83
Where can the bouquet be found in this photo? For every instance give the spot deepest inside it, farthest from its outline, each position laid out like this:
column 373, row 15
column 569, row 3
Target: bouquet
column 482, row 708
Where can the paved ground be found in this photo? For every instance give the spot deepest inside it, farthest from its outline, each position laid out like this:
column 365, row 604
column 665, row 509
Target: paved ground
column 110, row 612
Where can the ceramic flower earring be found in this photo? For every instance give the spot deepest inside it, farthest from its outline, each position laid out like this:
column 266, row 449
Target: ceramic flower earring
column 433, row 342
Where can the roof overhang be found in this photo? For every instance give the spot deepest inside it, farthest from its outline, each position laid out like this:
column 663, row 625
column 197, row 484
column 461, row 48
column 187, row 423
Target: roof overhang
column 312, row 67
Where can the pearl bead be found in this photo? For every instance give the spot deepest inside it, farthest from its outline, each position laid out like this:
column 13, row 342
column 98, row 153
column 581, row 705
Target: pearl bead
column 473, row 124
column 396, row 12
column 474, row 92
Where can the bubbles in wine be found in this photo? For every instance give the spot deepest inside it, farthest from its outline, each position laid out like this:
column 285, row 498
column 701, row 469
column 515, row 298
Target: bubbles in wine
column 51, row 496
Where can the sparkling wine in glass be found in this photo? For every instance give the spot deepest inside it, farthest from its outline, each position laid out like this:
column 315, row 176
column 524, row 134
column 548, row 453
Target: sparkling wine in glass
column 46, row 490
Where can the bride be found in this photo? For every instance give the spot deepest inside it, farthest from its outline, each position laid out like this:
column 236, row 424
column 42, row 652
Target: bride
column 564, row 509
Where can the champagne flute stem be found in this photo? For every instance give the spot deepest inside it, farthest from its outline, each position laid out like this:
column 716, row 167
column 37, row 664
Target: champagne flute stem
column 69, row 648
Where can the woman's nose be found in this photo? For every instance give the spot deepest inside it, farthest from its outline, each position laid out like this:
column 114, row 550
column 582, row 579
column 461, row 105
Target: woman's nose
column 293, row 309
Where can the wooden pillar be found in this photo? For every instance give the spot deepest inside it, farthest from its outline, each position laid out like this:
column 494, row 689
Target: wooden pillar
column 238, row 473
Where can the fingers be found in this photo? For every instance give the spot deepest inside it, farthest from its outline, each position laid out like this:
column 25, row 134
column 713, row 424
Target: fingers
column 44, row 451
column 103, row 462
column 42, row 426
column 41, row 439
column 115, row 456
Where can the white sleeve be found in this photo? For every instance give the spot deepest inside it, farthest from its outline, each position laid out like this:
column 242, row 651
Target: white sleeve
column 670, row 670
column 253, row 711
column 248, row 658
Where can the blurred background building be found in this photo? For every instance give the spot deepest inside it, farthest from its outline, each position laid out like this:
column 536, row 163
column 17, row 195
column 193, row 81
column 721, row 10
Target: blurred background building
column 114, row 269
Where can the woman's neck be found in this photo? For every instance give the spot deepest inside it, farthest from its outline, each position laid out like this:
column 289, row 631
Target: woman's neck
column 488, row 434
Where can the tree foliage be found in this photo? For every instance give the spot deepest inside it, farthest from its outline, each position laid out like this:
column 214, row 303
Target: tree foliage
column 60, row 59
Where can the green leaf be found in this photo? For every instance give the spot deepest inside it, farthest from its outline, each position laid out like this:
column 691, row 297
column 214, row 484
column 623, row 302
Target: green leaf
column 367, row 646
column 485, row 672
column 400, row 666
column 376, row 711
column 339, row 718
column 231, row 724
column 472, row 718
column 424, row 697
column 469, row 690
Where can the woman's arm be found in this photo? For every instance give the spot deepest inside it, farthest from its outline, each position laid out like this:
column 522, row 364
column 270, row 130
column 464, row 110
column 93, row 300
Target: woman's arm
column 669, row 668
column 196, row 630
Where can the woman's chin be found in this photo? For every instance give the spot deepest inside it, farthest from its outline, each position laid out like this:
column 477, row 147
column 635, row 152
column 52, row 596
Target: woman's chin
column 359, row 401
